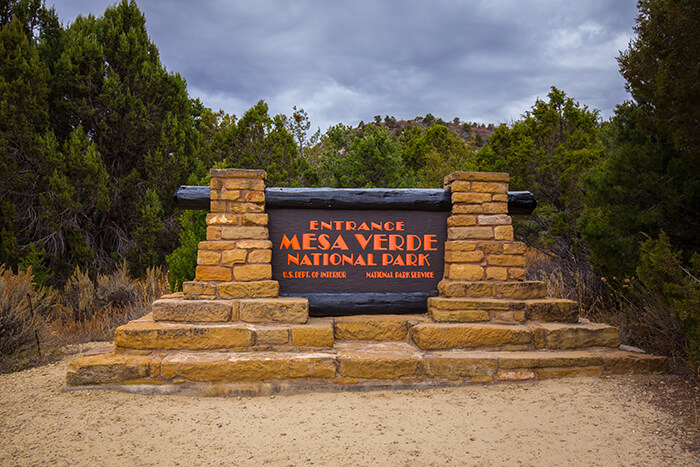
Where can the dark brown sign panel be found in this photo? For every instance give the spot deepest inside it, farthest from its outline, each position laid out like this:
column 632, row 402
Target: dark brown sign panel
column 357, row 251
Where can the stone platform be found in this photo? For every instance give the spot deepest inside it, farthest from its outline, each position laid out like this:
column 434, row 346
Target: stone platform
column 235, row 347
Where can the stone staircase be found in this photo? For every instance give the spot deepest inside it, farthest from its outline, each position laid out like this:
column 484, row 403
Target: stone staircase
column 265, row 346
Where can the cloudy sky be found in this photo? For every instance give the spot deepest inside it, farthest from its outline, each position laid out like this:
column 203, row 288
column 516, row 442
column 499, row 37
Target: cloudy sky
column 346, row 61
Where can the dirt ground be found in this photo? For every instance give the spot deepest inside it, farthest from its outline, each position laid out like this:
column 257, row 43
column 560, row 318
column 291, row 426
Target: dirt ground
column 626, row 420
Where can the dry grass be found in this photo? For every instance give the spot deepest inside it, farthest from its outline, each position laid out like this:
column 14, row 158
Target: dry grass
column 85, row 311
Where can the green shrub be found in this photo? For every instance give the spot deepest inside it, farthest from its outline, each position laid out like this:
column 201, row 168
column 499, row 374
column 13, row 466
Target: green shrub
column 23, row 309
column 183, row 261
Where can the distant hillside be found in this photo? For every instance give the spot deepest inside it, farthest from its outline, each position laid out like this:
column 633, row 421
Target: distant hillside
column 478, row 133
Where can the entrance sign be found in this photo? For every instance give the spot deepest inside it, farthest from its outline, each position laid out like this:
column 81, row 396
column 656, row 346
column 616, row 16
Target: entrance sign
column 345, row 251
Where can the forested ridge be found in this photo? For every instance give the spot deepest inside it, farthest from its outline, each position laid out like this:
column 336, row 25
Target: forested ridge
column 96, row 135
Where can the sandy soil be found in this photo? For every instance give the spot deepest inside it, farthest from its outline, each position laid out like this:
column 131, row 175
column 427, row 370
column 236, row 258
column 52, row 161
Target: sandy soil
column 579, row 421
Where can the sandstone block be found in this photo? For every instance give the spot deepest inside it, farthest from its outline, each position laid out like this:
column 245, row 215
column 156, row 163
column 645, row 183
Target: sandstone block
column 477, row 176
column 503, row 232
column 234, row 256
column 194, row 310
column 252, row 272
column 217, row 245
column 505, row 260
column 251, row 218
column 521, row 290
column 460, row 208
column 558, row 336
column 460, row 245
column 244, row 184
column 198, row 288
column 494, row 219
column 225, row 195
column 280, row 310
column 517, row 274
column 235, row 233
column 373, row 327
column 108, row 368
column 218, row 206
column 315, row 333
column 470, row 198
column 222, row 219
column 494, row 208
column 514, row 248
column 490, row 247
column 523, row 360
column 257, row 289
column 470, row 233
column 462, row 220
column 448, row 288
column 162, row 335
column 208, row 258
column 255, row 197
column 444, row 303
column 458, row 316
column 464, row 256
column 500, row 198
column 458, row 365
column 237, row 173
column 214, row 232
column 515, row 375
column 245, row 207
column 213, row 273
column 248, row 366
column 469, row 272
column 435, row 336
column 272, row 335
column 495, row 273
column 490, row 187
column 254, row 244
column 379, row 365
column 260, row 256
column 460, row 186
column 550, row 373
column 617, row 362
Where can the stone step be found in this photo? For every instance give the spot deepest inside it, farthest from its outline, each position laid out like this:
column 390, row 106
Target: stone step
column 253, row 310
column 375, row 327
column 385, row 360
column 255, row 366
column 501, row 310
column 353, row 365
column 561, row 336
column 494, row 289
column 439, row 336
column 147, row 334
column 531, row 335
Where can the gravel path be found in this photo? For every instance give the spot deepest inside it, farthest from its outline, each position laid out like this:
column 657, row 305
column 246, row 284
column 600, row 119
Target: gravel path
column 577, row 421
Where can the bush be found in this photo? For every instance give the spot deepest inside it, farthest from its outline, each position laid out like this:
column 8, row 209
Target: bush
column 23, row 309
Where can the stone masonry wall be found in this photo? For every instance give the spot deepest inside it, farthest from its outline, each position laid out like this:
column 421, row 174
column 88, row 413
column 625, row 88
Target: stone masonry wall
column 480, row 244
column 234, row 261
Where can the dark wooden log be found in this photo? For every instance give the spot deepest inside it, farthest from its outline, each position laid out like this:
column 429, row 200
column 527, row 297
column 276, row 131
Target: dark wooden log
column 416, row 199
column 343, row 304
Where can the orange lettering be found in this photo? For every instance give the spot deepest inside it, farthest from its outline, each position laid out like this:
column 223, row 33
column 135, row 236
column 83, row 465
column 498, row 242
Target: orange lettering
column 287, row 243
column 339, row 244
column 411, row 242
column 428, row 241
column 323, row 242
column 362, row 240
column 292, row 258
column 379, row 240
column 313, row 225
column 306, row 240
column 394, row 242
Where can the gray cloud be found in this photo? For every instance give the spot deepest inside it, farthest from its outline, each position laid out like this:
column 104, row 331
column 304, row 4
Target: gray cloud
column 348, row 61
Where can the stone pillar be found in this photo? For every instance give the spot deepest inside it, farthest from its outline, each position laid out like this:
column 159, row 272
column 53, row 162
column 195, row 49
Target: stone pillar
column 235, row 260
column 480, row 244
